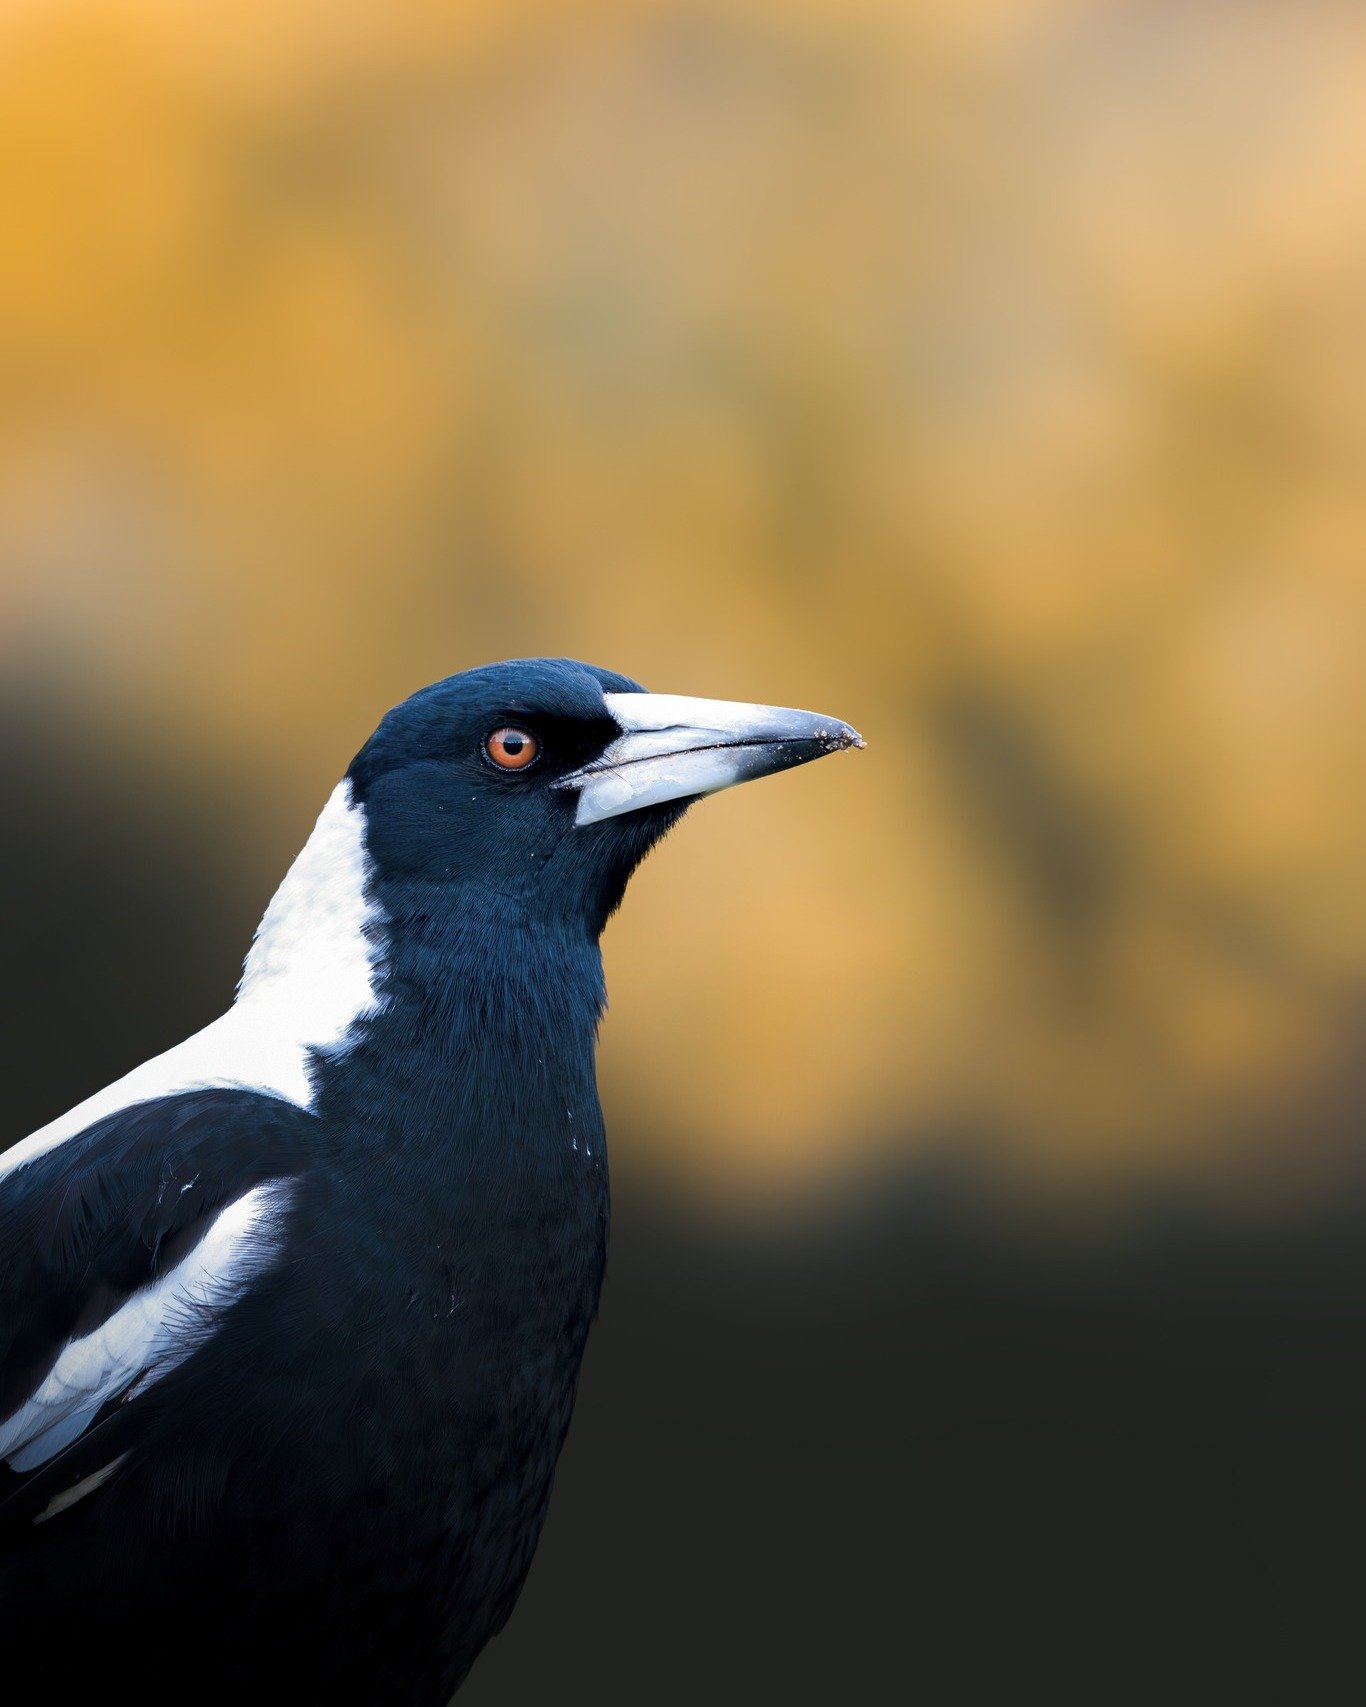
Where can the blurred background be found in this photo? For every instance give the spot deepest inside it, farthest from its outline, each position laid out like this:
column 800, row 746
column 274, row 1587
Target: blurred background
column 988, row 1305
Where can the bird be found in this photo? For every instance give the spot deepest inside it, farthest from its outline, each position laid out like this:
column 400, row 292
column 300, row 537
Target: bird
column 291, row 1316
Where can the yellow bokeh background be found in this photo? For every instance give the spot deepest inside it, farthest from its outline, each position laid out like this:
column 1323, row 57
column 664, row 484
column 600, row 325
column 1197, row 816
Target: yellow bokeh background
column 992, row 375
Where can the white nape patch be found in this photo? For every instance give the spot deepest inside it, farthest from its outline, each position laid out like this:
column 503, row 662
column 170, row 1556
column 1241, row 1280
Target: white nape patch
column 154, row 1331
column 312, row 972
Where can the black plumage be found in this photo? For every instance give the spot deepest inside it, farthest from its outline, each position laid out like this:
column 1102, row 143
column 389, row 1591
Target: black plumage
column 291, row 1319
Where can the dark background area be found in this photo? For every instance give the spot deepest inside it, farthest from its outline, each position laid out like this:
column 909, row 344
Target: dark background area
column 910, row 1461
column 897, row 1447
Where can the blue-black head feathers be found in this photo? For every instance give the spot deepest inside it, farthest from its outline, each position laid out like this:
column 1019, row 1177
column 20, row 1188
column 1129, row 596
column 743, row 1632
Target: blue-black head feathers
column 439, row 812
column 602, row 769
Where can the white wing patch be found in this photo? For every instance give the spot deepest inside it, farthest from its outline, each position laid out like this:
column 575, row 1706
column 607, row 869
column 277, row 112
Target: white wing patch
column 313, row 971
column 87, row 1485
column 154, row 1331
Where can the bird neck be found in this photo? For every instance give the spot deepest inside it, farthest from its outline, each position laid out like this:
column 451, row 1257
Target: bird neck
column 432, row 1011
column 483, row 1039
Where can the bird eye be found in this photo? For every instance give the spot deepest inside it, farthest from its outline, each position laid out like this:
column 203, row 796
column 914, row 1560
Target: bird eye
column 512, row 749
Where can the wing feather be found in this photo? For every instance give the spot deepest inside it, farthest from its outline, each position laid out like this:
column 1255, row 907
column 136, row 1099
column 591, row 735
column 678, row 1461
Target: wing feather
column 156, row 1329
column 121, row 1253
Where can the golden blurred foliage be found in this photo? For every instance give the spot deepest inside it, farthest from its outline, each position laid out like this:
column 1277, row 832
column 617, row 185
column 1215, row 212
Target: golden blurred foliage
column 992, row 375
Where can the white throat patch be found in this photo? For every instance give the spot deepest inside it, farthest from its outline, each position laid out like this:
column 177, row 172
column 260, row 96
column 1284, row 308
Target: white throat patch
column 313, row 971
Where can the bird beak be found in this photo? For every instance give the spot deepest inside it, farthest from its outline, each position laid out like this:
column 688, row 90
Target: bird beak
column 674, row 748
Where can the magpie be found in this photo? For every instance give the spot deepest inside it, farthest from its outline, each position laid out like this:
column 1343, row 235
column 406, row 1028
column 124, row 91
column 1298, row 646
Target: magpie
column 291, row 1316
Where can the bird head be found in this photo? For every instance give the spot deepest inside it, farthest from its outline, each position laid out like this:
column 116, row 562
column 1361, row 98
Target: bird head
column 546, row 781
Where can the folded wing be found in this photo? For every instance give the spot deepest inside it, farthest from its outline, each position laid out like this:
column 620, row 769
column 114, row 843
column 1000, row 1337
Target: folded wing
column 122, row 1253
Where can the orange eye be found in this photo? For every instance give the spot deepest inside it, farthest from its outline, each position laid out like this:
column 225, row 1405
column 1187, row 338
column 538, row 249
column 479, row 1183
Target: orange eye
column 512, row 749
